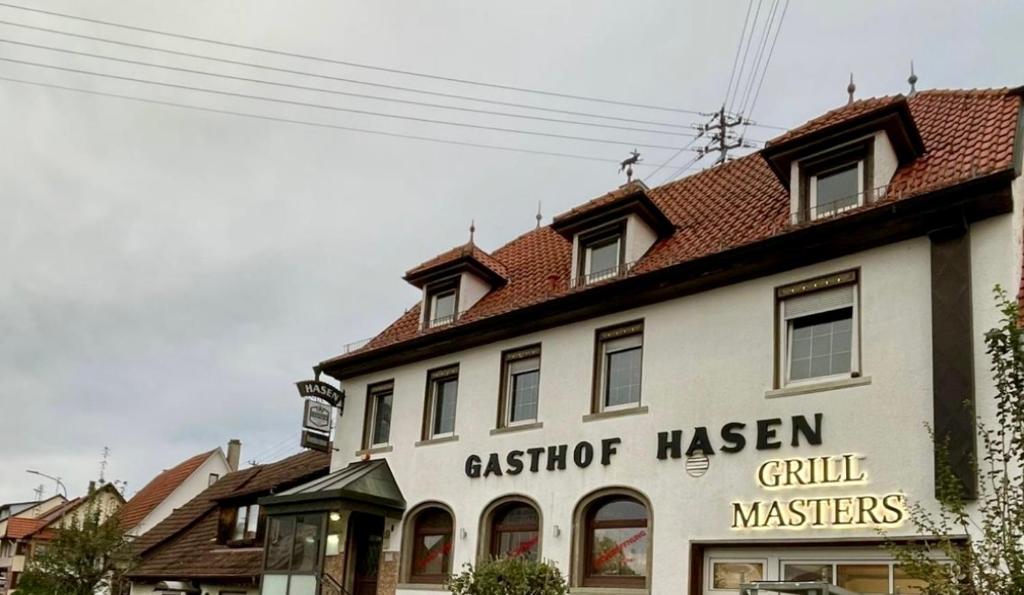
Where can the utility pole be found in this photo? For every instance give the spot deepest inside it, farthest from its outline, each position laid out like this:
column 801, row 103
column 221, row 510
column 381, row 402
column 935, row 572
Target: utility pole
column 721, row 138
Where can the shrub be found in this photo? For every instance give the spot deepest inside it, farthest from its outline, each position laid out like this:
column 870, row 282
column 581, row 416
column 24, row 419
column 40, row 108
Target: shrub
column 509, row 576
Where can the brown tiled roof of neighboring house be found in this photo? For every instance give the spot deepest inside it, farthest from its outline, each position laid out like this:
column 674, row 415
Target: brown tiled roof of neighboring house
column 19, row 528
column 967, row 134
column 184, row 545
column 158, row 489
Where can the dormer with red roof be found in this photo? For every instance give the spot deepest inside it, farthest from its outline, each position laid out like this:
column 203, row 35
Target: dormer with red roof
column 846, row 158
column 610, row 233
column 454, row 281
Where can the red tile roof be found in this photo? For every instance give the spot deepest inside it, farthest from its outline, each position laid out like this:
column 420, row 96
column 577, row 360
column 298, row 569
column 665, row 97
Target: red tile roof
column 158, row 489
column 625, row 191
column 966, row 133
column 838, row 116
column 467, row 250
column 19, row 528
column 184, row 545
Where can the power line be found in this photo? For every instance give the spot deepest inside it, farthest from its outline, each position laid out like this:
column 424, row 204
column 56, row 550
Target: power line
column 317, row 124
column 683, row 169
column 674, row 155
column 336, row 92
column 765, row 34
column 771, row 51
column 746, row 51
column 739, row 46
column 339, row 109
column 448, row 79
column 337, row 78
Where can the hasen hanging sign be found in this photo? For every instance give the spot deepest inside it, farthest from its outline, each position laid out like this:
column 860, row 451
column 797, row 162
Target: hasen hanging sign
column 321, row 398
column 316, row 416
column 316, row 389
column 860, row 510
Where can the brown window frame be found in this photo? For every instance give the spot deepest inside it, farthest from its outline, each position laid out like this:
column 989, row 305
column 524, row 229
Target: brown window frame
column 587, row 240
column 446, row 554
column 495, row 529
column 504, row 385
column 373, row 392
column 590, row 525
column 431, row 292
column 434, row 377
column 861, row 151
column 602, row 336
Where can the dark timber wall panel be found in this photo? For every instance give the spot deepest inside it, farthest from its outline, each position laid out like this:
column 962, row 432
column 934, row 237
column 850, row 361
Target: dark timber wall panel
column 953, row 352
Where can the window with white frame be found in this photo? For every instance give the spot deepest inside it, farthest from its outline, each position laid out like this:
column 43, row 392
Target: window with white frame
column 618, row 367
column 728, row 574
column 836, row 190
column 442, row 395
column 246, row 522
column 868, row 577
column 441, row 303
column 836, row 181
column 379, row 400
column 601, row 254
column 818, row 329
column 520, row 386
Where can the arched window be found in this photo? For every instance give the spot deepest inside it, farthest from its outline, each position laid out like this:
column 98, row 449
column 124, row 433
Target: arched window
column 615, row 545
column 431, row 546
column 515, row 531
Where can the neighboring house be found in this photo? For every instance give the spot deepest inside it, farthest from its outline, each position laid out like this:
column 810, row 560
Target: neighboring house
column 16, row 520
column 214, row 543
column 680, row 389
column 174, row 487
column 25, row 536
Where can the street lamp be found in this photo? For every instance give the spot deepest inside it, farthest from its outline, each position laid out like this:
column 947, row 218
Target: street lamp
column 61, row 485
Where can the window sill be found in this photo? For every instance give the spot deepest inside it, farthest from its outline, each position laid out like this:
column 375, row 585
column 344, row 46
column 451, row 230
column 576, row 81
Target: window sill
column 442, row 440
column 615, row 413
column 518, row 428
column 815, row 387
column 374, row 451
column 437, row 587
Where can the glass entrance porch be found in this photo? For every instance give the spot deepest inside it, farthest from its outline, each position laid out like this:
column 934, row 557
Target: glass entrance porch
column 325, row 537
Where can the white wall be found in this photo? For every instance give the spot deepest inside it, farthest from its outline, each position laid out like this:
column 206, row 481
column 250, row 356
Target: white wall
column 708, row 360
column 190, row 488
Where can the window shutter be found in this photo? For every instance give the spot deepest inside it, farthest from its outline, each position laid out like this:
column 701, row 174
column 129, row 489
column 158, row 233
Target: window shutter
column 818, row 301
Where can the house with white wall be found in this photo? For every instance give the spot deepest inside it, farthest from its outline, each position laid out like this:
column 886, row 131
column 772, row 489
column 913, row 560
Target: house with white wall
column 686, row 388
column 173, row 488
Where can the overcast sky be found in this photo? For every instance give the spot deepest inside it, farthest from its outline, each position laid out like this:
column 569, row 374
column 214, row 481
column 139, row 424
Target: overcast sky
column 167, row 274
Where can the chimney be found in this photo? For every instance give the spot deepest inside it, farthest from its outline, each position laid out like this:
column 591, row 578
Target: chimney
column 92, row 487
column 234, row 453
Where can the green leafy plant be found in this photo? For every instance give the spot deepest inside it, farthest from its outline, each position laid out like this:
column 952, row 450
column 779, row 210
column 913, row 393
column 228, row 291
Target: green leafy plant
column 978, row 547
column 89, row 554
column 509, row 576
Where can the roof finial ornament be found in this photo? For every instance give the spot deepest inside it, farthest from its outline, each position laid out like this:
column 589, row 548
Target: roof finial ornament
column 912, row 80
column 627, row 164
column 539, row 216
column 850, row 89
column 472, row 230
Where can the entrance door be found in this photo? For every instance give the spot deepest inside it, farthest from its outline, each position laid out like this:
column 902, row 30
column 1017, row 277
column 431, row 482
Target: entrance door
column 367, row 533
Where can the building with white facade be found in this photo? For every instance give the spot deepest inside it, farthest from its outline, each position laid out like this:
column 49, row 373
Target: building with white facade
column 681, row 389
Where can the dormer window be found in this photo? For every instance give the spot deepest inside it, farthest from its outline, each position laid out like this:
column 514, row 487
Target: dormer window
column 240, row 525
column 836, row 181
column 442, row 304
column 599, row 230
column 602, row 254
column 453, row 282
column 848, row 163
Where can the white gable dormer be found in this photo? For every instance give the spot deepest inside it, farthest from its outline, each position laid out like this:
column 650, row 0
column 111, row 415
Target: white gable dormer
column 454, row 282
column 846, row 165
